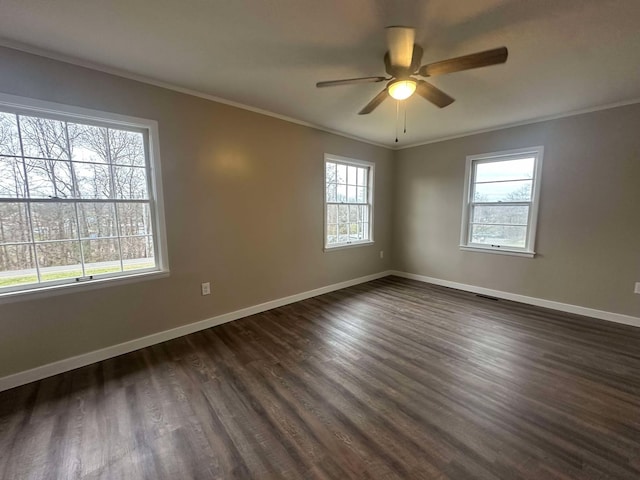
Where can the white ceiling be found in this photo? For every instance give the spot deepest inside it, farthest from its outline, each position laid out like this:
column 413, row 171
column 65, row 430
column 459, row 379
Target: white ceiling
column 565, row 55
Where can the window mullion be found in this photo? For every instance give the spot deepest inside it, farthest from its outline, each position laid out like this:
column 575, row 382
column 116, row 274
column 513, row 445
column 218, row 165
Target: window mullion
column 112, row 184
column 484, row 182
column 76, row 194
column 500, row 224
column 75, row 207
column 28, row 195
column 501, row 204
column 13, row 244
column 45, row 239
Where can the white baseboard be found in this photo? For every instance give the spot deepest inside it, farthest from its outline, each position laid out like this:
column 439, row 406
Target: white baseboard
column 44, row 371
column 38, row 373
column 539, row 302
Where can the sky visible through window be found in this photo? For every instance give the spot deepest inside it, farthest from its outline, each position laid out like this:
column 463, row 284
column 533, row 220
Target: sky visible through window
column 74, row 201
column 501, row 199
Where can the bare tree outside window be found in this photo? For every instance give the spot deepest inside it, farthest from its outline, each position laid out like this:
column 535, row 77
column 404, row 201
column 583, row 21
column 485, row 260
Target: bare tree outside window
column 347, row 202
column 74, row 201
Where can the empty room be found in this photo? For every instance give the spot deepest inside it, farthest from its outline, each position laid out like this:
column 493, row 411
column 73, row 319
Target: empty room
column 305, row 239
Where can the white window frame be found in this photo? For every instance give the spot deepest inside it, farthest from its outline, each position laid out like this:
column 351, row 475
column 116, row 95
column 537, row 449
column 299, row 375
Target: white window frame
column 149, row 128
column 370, row 192
column 528, row 250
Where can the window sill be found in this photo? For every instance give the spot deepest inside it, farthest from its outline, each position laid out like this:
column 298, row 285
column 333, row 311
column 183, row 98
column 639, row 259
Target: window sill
column 348, row 245
column 53, row 290
column 499, row 251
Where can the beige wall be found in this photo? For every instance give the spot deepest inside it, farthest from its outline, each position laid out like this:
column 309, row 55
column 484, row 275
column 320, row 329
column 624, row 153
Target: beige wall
column 243, row 198
column 588, row 238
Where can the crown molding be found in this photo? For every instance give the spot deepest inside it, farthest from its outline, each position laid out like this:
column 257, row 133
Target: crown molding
column 521, row 123
column 4, row 42
column 176, row 88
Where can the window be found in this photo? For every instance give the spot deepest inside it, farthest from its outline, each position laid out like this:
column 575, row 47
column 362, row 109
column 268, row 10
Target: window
column 501, row 201
column 348, row 202
column 78, row 196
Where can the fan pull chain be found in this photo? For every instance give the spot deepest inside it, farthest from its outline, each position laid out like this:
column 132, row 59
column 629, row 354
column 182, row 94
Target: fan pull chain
column 397, row 117
column 405, row 118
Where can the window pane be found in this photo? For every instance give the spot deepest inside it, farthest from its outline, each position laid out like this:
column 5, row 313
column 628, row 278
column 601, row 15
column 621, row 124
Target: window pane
column 137, row 253
column 351, row 194
column 59, row 260
column 362, row 233
column 332, row 232
column 353, row 232
column 505, row 170
column 342, row 174
column 126, row 148
column 342, row 193
column 17, row 265
column 135, row 219
column 501, row 214
column 49, row 178
column 9, row 138
column 362, row 177
column 362, row 195
column 54, row 221
column 343, row 230
column 101, row 256
column 12, row 184
column 93, row 180
column 505, row 236
column 343, row 213
column 14, row 223
column 43, row 138
column 363, row 213
column 352, row 175
column 353, row 213
column 88, row 143
column 330, row 173
column 97, row 220
column 130, row 182
column 519, row 191
column 331, row 192
column 332, row 214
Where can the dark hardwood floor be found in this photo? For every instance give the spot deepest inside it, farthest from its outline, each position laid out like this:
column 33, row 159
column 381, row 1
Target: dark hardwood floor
column 392, row 379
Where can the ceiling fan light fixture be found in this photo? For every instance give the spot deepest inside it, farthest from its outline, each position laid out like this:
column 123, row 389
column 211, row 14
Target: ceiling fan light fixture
column 402, row 89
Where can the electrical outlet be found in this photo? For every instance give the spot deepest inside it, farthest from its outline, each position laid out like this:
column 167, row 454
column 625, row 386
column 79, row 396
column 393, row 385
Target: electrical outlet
column 206, row 288
column 637, row 289
column 381, row 253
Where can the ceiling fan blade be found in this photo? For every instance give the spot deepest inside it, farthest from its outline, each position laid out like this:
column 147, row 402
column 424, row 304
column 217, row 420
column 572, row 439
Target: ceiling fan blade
column 467, row 62
column 373, row 104
column 433, row 94
column 416, row 58
column 350, row 81
column 400, row 45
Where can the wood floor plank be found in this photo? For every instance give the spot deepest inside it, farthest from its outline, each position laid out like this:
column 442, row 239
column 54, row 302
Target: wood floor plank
column 392, row 379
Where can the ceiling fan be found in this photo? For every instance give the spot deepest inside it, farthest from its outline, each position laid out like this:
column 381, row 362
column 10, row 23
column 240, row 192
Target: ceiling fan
column 402, row 62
